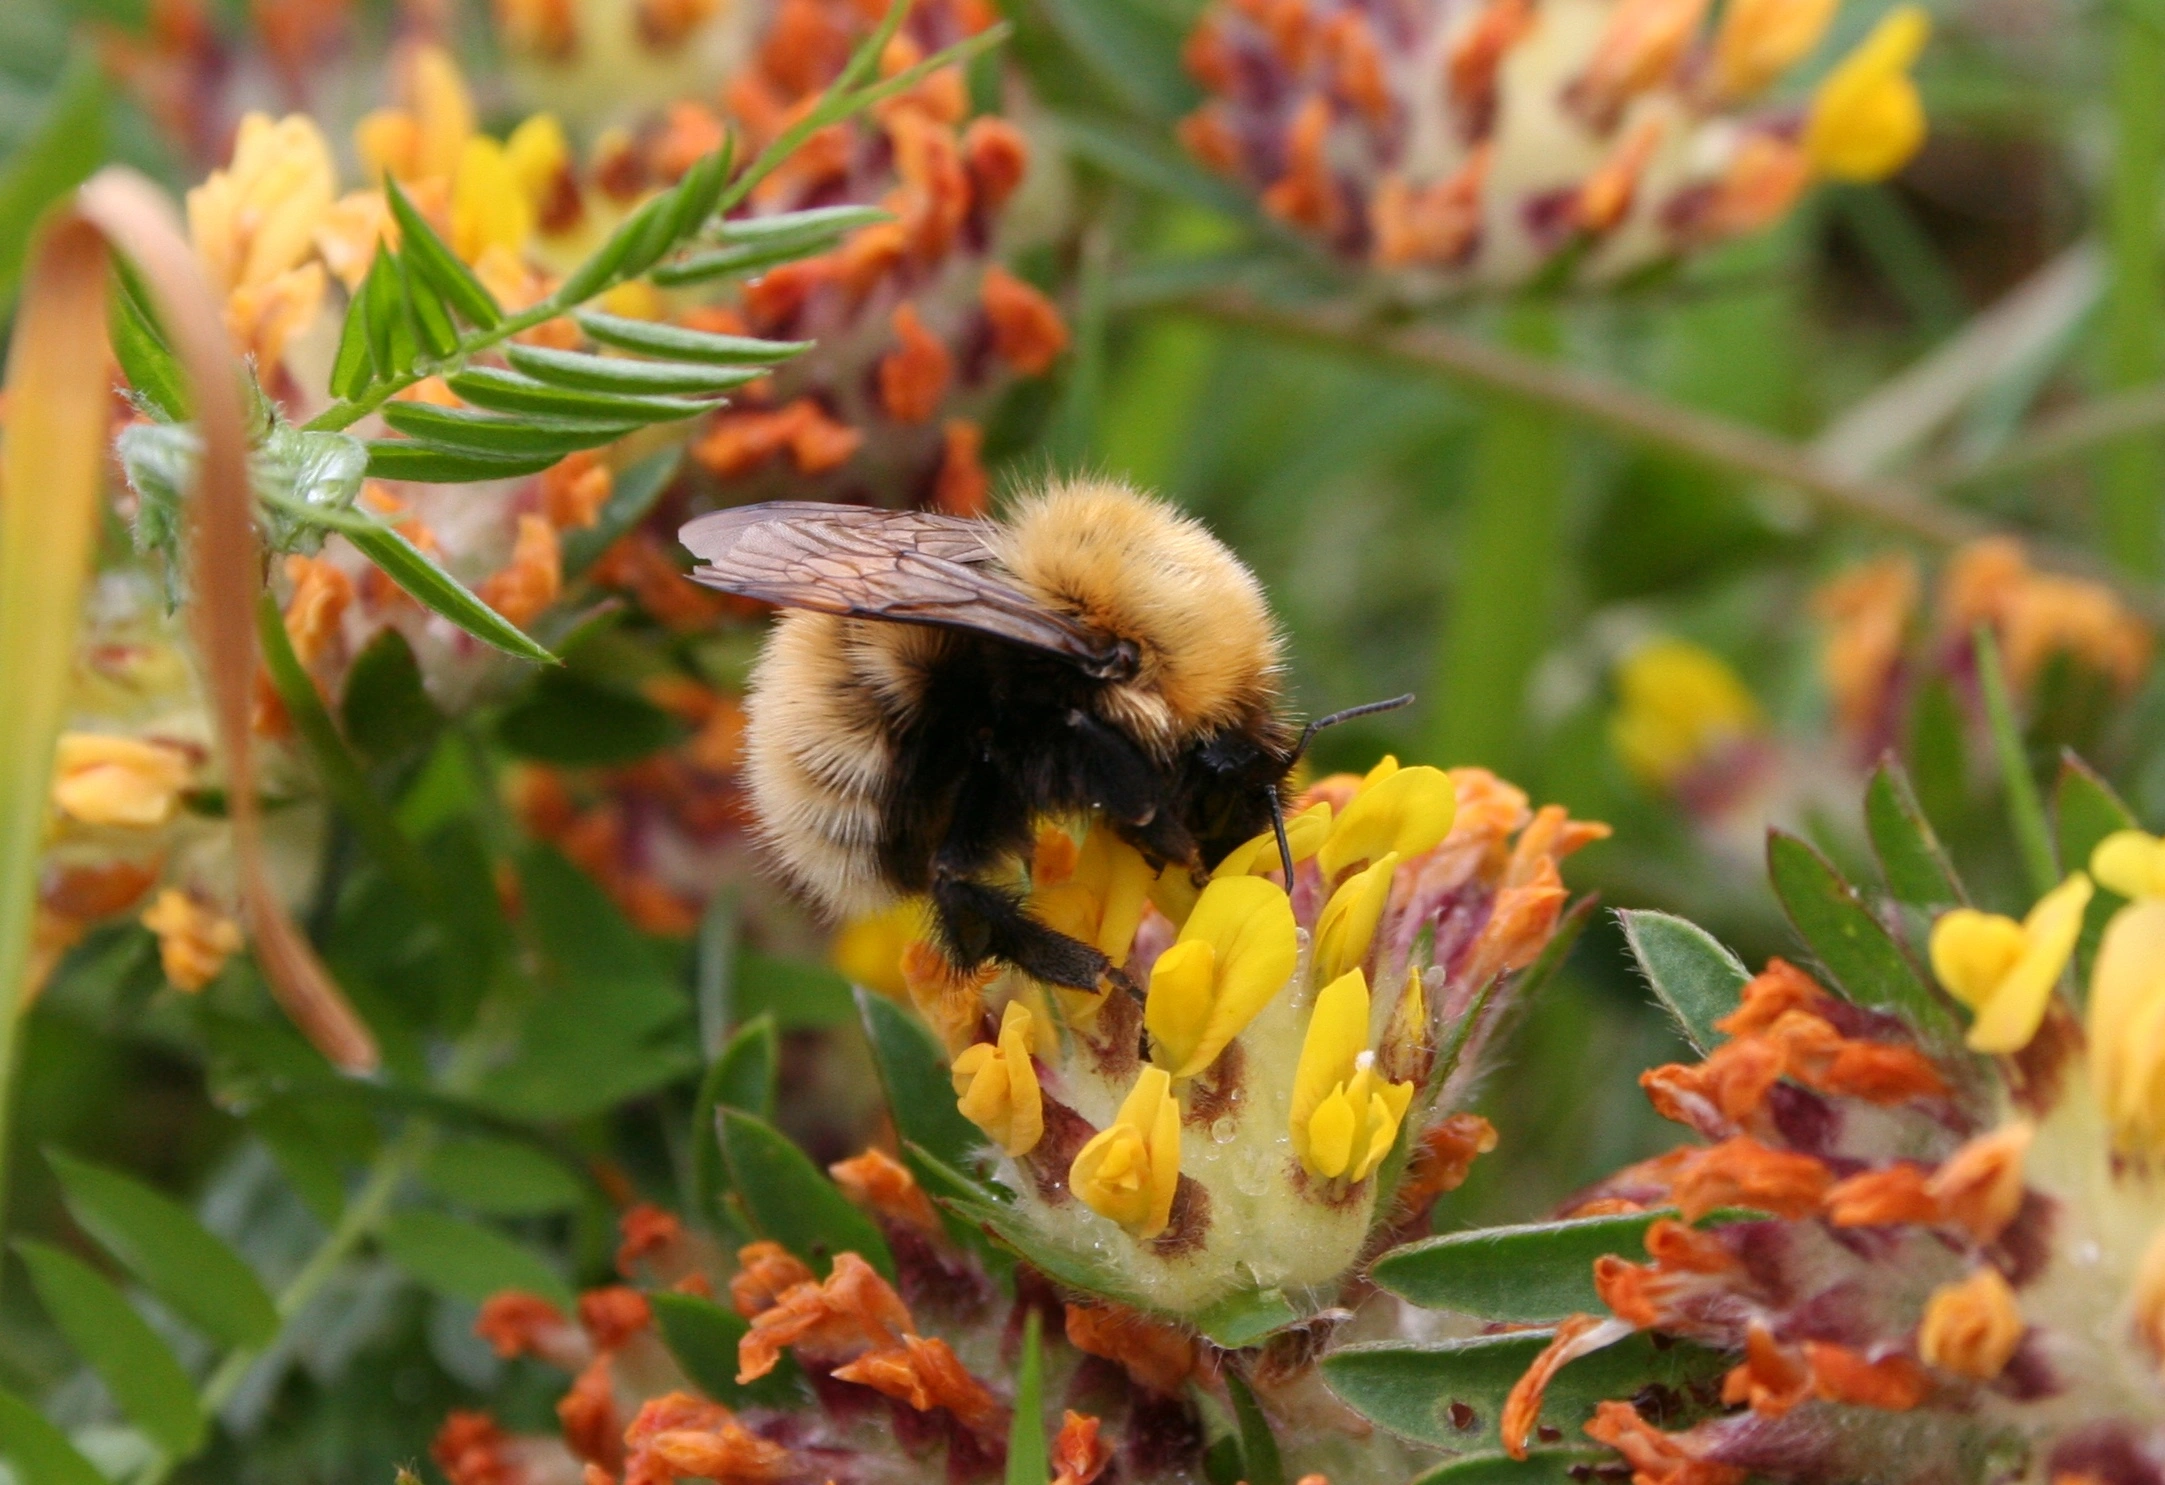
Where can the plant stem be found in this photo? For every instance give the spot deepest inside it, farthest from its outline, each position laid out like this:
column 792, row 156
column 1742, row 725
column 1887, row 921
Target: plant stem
column 2025, row 808
column 2131, row 498
column 1509, row 559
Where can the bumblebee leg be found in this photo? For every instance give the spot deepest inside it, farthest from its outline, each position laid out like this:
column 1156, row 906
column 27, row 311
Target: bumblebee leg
column 979, row 922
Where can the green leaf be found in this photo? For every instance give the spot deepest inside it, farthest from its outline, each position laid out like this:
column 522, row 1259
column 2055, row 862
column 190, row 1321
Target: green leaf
column 2025, row 811
column 676, row 343
column 353, row 364
column 1450, row 1394
column 174, row 1255
column 631, row 497
column 791, row 1201
column 1690, row 972
column 140, row 347
column 620, row 374
column 500, row 1178
column 1852, row 945
column 920, row 1091
column 1028, row 1462
column 391, row 346
column 757, row 243
column 508, row 392
column 467, row 1262
column 405, row 459
column 39, row 1453
column 2085, row 810
column 1541, row 1271
column 1258, row 1445
column 1567, row 1466
column 703, row 1338
column 428, row 318
column 136, row 1366
column 386, row 710
column 440, row 593
column 461, row 431
column 1910, row 855
column 68, row 144
column 566, row 719
column 427, row 254
column 1247, row 1317
column 1938, row 752
column 744, row 1076
column 801, row 995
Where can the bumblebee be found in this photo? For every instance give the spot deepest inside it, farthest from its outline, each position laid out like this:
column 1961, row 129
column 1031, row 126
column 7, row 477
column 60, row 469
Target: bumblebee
column 938, row 685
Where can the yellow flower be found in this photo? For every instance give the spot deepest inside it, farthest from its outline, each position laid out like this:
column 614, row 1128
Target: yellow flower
column 868, row 950
column 101, row 779
column 1130, row 1169
column 1348, row 923
column 2130, row 863
column 425, row 139
column 1971, row 1328
column 1407, row 810
column 2004, row 970
column 1304, row 833
column 996, row 1085
column 1867, row 119
column 1238, row 950
column 489, row 207
column 1678, row 702
column 193, row 941
column 257, row 218
column 538, row 154
column 1759, row 40
column 1344, row 1117
column 2127, row 1026
column 1100, row 900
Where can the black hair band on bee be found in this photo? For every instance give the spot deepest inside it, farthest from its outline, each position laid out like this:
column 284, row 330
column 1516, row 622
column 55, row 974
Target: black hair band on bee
column 1300, row 749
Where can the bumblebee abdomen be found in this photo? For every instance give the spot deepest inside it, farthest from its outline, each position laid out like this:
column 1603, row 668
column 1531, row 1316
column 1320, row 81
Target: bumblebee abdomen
column 819, row 757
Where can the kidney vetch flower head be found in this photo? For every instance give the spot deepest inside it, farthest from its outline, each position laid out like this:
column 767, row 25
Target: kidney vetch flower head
column 1903, row 1241
column 1493, row 143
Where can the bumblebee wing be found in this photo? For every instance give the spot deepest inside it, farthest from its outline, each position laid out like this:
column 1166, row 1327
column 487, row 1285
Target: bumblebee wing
column 909, row 567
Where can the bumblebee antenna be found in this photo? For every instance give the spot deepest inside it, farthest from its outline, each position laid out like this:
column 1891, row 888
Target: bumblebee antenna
column 1365, row 709
column 1277, row 801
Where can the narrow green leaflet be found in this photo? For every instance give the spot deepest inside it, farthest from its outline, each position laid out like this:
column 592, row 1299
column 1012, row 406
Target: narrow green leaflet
column 1541, row 1271
column 426, row 463
column 386, row 712
column 751, row 244
column 791, row 1200
column 1258, row 1445
column 175, row 1256
column 427, row 317
column 68, row 143
column 461, row 431
column 1852, row 945
column 39, row 1453
column 431, row 259
column 1691, row 973
column 509, row 392
column 620, row 374
column 2025, row 811
column 744, row 1077
column 703, row 1338
column 467, row 1262
column 1450, row 1394
column 439, row 592
column 678, row 343
column 139, row 345
column 136, row 1366
column 1028, row 1460
column 1911, row 857
column 920, row 1093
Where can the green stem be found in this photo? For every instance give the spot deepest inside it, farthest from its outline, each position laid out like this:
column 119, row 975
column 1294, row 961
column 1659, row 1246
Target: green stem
column 2025, row 807
column 1509, row 559
column 2132, row 492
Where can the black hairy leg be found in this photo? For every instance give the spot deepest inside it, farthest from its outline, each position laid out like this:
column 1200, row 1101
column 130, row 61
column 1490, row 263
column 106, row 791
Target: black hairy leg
column 978, row 921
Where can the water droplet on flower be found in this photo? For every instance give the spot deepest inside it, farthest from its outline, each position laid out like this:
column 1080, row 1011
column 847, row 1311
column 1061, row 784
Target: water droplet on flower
column 1223, row 1128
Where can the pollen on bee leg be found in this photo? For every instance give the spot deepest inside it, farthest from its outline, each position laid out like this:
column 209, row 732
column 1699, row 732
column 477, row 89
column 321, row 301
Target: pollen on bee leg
column 951, row 1000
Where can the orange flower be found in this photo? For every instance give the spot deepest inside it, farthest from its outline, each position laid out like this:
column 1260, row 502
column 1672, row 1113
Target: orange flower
column 534, row 576
column 1079, row 1456
column 1867, row 610
column 1979, row 1187
column 877, row 1181
column 1894, row 1193
column 1971, row 1328
column 1642, row 45
column 854, row 1311
column 926, row 1374
column 1725, row 1089
column 587, row 1415
column 613, row 1314
column 573, row 492
column 1575, row 1337
column 1442, row 1159
column 471, row 1450
column 1027, row 331
column 1743, row 1172
column 997, row 157
column 515, row 1323
column 648, row 1233
column 1157, row 1356
column 766, row 1272
column 1307, row 194
column 1769, row 1378
column 915, row 375
column 194, row 941
column 740, row 441
column 961, row 488
column 1655, row 1457
column 1779, row 988
column 1605, row 197
column 1839, row 1374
